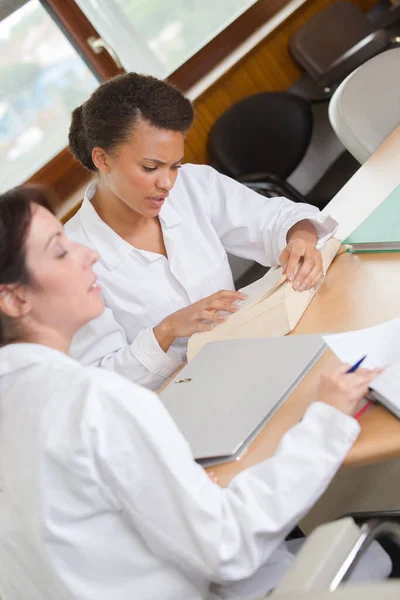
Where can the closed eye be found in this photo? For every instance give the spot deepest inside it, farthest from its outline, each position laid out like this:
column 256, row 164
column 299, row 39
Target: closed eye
column 60, row 251
column 151, row 169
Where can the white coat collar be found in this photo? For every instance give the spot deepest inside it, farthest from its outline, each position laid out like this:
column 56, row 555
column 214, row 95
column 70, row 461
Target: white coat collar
column 110, row 246
column 14, row 357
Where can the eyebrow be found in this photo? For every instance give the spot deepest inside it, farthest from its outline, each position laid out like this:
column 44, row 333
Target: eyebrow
column 161, row 162
column 51, row 238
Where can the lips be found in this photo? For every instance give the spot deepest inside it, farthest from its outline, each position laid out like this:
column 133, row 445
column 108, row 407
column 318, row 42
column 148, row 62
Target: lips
column 157, row 200
column 95, row 286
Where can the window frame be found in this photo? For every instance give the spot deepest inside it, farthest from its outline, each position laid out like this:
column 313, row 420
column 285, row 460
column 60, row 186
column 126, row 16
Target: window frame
column 63, row 173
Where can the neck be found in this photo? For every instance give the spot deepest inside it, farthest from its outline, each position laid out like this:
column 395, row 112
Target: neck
column 51, row 338
column 115, row 213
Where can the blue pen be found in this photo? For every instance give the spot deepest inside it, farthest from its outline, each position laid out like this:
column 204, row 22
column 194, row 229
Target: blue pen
column 358, row 363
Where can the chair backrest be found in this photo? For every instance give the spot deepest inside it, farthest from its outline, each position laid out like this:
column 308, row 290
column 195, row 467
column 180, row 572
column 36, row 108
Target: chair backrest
column 365, row 108
column 264, row 133
column 328, row 35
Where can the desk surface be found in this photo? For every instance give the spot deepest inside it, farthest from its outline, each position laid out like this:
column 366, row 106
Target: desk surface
column 359, row 291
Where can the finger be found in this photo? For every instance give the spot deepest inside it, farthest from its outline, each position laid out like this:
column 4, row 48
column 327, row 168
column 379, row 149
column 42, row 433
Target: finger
column 212, row 476
column 353, row 380
column 224, row 306
column 370, row 375
column 359, row 392
column 230, row 295
column 209, row 315
column 200, row 327
column 368, row 372
column 283, row 259
column 304, row 271
column 317, row 279
column 363, row 390
column 308, row 282
column 294, row 259
column 342, row 368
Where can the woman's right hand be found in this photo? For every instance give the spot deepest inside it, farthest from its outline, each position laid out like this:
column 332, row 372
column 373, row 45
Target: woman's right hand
column 192, row 318
column 345, row 390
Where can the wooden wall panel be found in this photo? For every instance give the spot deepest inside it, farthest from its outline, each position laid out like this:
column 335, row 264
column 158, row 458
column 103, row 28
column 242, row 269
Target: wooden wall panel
column 267, row 67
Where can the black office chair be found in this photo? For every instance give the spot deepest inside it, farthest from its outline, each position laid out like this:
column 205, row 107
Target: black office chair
column 337, row 40
column 260, row 141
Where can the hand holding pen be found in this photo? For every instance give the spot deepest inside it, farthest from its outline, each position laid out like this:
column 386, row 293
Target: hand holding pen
column 345, row 386
column 367, row 396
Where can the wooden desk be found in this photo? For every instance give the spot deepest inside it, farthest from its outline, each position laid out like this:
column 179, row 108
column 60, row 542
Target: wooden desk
column 359, row 291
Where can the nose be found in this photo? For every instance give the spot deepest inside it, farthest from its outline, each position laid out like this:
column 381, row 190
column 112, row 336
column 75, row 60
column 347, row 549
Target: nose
column 166, row 181
column 93, row 257
column 90, row 257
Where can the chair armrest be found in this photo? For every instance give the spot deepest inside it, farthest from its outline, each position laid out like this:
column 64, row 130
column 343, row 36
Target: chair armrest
column 260, row 177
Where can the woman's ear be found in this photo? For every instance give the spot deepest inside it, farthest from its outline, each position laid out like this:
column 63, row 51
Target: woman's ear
column 101, row 160
column 13, row 301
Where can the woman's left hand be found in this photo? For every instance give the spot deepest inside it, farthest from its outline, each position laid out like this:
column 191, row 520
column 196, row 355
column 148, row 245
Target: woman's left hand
column 212, row 476
column 301, row 255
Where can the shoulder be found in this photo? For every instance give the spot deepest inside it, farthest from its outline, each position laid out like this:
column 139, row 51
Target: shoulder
column 203, row 180
column 75, row 227
column 107, row 386
column 196, row 171
column 75, row 230
column 74, row 222
column 200, row 175
column 105, row 394
column 195, row 188
column 77, row 401
column 64, row 381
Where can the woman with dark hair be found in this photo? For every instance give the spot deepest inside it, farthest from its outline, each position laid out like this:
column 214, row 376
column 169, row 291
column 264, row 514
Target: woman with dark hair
column 163, row 237
column 99, row 495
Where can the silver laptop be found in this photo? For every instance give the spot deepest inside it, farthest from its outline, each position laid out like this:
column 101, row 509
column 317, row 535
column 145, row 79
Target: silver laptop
column 226, row 394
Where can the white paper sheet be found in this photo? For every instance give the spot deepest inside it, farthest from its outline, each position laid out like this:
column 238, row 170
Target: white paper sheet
column 380, row 344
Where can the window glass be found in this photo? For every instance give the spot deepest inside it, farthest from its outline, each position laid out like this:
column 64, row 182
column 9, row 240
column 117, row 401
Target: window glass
column 42, row 79
column 157, row 36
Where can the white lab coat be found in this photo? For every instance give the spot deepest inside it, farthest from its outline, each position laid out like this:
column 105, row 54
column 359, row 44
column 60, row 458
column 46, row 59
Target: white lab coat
column 205, row 215
column 100, row 497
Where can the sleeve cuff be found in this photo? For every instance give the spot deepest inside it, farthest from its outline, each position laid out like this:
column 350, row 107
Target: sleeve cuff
column 325, row 225
column 146, row 350
column 339, row 426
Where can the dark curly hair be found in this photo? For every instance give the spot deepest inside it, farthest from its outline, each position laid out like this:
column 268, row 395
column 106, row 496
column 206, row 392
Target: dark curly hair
column 15, row 219
column 109, row 116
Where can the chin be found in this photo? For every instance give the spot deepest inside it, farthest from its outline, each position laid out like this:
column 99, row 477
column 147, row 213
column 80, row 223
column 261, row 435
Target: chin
column 96, row 310
column 151, row 212
column 87, row 311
